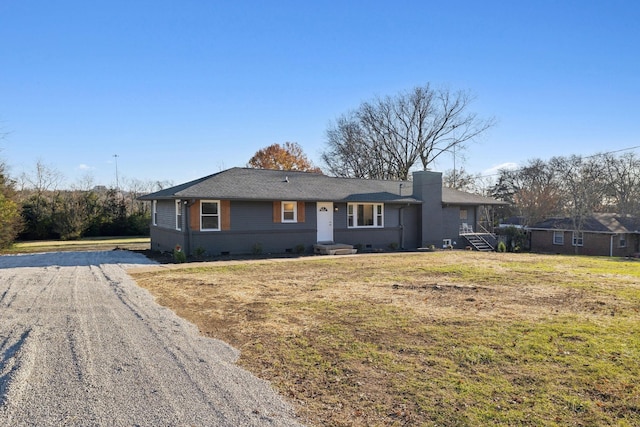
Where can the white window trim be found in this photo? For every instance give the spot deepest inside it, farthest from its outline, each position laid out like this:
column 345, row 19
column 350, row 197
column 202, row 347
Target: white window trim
column 354, row 214
column 577, row 236
column 561, row 240
column 622, row 241
column 154, row 212
column 202, row 215
column 295, row 211
column 178, row 214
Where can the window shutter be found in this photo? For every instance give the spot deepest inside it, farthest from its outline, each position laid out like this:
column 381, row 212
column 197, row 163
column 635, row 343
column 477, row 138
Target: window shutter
column 300, row 211
column 225, row 214
column 194, row 216
column 277, row 213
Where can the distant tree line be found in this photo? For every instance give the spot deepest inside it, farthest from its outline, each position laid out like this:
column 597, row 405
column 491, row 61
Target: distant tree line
column 84, row 210
column 573, row 187
column 32, row 207
column 72, row 214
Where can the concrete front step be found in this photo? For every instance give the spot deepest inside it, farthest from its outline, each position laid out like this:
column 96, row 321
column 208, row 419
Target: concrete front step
column 333, row 249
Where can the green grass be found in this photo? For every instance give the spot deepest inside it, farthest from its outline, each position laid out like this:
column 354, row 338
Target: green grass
column 89, row 243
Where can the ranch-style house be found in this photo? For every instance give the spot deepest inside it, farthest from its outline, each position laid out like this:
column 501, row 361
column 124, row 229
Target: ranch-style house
column 243, row 211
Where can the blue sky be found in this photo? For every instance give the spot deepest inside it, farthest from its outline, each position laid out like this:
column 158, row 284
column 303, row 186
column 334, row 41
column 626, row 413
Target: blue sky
column 182, row 89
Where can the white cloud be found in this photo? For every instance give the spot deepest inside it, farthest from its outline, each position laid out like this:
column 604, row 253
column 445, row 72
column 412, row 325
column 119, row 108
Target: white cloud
column 84, row 167
column 502, row 166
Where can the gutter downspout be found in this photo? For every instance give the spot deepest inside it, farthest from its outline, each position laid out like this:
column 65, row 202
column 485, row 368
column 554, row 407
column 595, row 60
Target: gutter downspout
column 402, row 227
column 611, row 245
column 189, row 236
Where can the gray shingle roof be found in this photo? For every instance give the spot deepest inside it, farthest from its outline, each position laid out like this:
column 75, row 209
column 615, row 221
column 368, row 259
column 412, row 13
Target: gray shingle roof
column 263, row 184
column 457, row 197
column 596, row 223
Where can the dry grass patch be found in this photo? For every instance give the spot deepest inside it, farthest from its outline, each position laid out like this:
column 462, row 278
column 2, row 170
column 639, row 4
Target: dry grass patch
column 445, row 338
column 84, row 244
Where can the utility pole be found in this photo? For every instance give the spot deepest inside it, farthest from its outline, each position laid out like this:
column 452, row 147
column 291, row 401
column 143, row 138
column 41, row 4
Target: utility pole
column 454, row 167
column 117, row 181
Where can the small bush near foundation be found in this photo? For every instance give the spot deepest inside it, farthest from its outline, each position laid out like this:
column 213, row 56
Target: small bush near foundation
column 178, row 255
column 502, row 247
column 199, row 252
column 299, row 249
column 257, row 248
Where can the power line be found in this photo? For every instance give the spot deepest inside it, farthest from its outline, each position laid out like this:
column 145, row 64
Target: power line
column 586, row 157
column 614, row 151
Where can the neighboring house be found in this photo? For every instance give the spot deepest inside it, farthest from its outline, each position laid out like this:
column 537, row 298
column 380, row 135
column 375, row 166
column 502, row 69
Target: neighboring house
column 603, row 234
column 242, row 210
column 514, row 221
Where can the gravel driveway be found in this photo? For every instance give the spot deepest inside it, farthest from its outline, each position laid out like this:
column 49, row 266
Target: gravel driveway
column 82, row 345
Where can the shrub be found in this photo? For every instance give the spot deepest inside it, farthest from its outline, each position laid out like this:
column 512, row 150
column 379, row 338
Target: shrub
column 299, row 249
column 502, row 247
column 199, row 252
column 178, row 255
column 257, row 248
column 10, row 221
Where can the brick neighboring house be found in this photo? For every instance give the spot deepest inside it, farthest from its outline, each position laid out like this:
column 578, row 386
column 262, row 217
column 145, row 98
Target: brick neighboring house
column 603, row 234
column 240, row 209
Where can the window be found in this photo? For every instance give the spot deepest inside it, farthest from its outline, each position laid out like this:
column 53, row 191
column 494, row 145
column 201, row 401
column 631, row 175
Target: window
column 365, row 215
column 289, row 212
column 154, row 212
column 210, row 215
column 558, row 237
column 622, row 242
column 578, row 238
column 463, row 214
column 178, row 215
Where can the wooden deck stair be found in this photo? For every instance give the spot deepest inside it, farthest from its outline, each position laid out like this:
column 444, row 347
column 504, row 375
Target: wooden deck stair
column 478, row 242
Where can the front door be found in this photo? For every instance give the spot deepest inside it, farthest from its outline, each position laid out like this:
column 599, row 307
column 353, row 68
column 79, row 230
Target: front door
column 325, row 221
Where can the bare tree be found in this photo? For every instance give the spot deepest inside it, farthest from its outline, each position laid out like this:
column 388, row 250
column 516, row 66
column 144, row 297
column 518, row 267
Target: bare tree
column 387, row 137
column 43, row 178
column 622, row 175
column 351, row 153
column 460, row 179
column 533, row 191
column 583, row 185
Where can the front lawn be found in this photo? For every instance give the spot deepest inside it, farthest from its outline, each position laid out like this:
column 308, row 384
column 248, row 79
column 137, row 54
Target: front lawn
column 445, row 338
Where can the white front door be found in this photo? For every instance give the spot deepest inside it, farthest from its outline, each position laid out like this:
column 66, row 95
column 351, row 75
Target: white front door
column 325, row 221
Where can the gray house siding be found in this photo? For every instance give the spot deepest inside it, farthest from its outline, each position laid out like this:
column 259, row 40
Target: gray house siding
column 258, row 216
column 165, row 240
column 438, row 222
column 427, row 186
column 252, row 242
column 253, row 230
column 411, row 219
column 166, row 214
column 387, row 237
column 451, row 226
column 452, row 222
